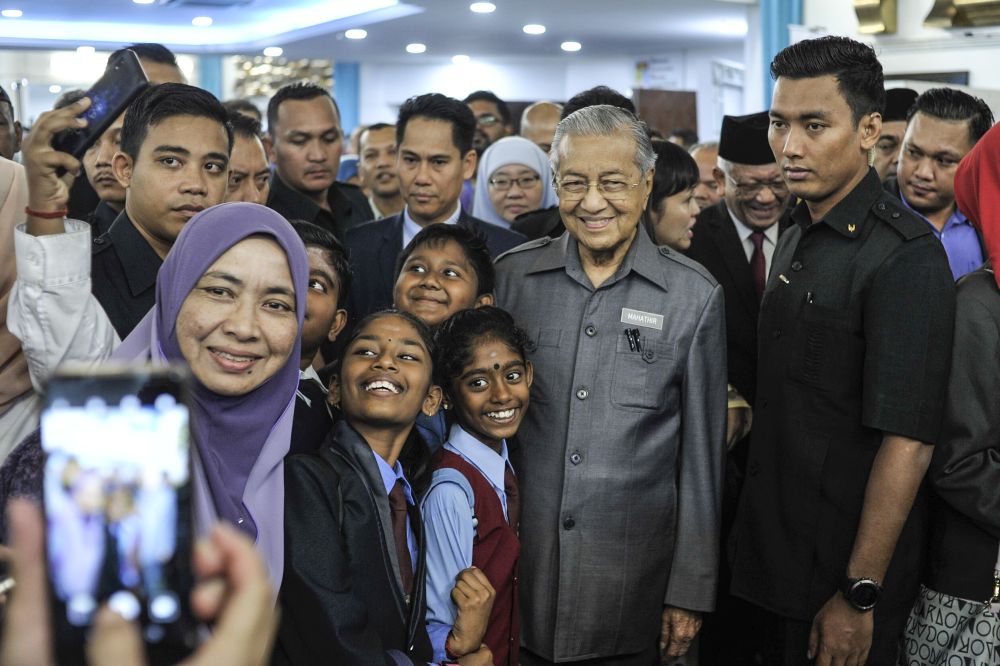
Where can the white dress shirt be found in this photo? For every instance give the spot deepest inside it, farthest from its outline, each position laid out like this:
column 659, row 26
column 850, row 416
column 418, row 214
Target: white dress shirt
column 770, row 240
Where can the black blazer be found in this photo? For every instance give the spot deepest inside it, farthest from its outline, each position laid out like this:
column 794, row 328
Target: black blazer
column 374, row 247
column 341, row 596
column 965, row 470
column 716, row 246
column 540, row 223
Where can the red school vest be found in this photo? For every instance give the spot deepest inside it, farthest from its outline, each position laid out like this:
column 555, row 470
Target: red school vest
column 495, row 551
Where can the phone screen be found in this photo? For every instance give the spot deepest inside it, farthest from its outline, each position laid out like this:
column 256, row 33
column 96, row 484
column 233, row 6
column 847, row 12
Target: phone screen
column 117, row 505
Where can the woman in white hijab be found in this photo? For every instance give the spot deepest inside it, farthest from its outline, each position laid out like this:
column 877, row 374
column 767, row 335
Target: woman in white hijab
column 514, row 178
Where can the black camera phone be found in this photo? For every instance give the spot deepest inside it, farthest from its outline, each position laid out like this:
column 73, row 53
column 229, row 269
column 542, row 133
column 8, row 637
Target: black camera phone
column 117, row 499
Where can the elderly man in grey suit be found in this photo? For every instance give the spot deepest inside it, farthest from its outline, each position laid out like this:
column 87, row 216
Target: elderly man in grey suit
column 621, row 452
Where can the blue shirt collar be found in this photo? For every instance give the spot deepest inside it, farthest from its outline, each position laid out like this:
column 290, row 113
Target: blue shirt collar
column 479, row 455
column 411, row 228
column 957, row 217
column 390, row 474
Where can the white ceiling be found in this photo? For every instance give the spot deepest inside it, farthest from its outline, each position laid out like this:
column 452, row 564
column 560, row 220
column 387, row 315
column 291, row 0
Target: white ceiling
column 315, row 28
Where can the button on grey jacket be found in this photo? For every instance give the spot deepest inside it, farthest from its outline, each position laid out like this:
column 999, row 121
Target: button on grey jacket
column 621, row 452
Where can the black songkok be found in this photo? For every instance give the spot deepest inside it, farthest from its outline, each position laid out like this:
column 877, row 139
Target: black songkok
column 897, row 103
column 744, row 139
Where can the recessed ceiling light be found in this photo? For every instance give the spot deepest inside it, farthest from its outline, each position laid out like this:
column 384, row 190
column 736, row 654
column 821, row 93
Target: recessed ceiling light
column 55, row 89
column 483, row 7
column 86, row 50
column 534, row 29
column 11, row 13
column 273, row 51
column 460, row 59
column 416, row 47
column 571, row 46
column 356, row 33
column 201, row 21
column 143, row 2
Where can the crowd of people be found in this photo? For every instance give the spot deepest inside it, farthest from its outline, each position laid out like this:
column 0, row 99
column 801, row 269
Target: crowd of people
column 580, row 395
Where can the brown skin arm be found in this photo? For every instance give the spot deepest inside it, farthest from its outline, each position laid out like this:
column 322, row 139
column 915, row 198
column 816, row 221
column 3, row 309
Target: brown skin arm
column 840, row 634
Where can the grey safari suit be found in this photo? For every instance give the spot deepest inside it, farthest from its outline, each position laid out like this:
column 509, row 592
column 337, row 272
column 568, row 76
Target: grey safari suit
column 621, row 453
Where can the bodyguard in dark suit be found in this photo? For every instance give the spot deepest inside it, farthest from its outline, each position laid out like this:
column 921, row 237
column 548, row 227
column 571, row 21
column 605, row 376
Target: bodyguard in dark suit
column 735, row 240
column 434, row 157
column 305, row 142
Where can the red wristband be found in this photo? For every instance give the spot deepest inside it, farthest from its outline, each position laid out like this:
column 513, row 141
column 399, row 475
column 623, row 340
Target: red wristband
column 51, row 215
column 447, row 650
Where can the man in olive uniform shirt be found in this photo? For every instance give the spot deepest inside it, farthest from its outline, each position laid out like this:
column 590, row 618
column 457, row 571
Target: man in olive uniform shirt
column 855, row 336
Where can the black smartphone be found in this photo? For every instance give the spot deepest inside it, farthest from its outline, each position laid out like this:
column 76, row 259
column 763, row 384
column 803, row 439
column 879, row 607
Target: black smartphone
column 122, row 81
column 117, row 500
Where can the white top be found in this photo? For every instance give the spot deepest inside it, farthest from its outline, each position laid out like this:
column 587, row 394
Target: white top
column 770, row 240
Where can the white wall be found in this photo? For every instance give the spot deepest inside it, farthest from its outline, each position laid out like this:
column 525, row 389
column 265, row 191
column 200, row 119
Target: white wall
column 385, row 86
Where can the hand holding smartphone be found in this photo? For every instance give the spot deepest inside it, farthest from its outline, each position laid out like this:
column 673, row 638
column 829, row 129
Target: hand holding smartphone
column 117, row 498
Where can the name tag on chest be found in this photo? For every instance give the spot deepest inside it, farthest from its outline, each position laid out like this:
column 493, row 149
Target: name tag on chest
column 640, row 318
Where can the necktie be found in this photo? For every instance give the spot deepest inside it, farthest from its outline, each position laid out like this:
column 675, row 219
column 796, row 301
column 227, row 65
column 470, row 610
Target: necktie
column 397, row 503
column 513, row 498
column 757, row 264
column 312, row 390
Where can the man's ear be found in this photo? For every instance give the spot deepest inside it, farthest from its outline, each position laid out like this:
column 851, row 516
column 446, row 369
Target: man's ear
column 871, row 130
column 484, row 299
column 529, row 372
column 333, row 397
column 339, row 322
column 18, row 135
column 268, row 147
column 433, row 400
column 469, row 162
column 720, row 178
column 122, row 165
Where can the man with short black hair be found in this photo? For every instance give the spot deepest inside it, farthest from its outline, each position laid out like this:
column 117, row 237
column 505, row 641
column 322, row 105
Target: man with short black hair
column 593, row 97
column 305, row 142
column 942, row 127
column 10, row 129
column 492, row 119
column 82, row 297
column 897, row 106
column 244, row 107
column 855, row 345
column 377, row 169
column 434, row 157
column 159, row 62
column 249, row 171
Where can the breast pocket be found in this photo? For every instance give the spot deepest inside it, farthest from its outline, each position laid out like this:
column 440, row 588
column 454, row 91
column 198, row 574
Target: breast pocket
column 543, row 350
column 828, row 349
column 642, row 380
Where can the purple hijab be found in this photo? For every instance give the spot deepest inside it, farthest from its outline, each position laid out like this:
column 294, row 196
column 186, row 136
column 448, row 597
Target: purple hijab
column 240, row 441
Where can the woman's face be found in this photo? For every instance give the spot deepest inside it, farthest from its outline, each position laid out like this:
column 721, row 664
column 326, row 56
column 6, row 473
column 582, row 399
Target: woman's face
column 237, row 327
column 674, row 218
column 523, row 191
column 385, row 378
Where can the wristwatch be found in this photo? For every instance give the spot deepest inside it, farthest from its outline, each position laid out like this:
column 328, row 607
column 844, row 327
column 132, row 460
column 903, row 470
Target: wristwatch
column 862, row 593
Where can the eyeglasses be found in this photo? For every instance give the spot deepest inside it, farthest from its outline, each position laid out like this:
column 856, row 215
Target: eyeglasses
column 487, row 119
column 751, row 190
column 524, row 182
column 574, row 189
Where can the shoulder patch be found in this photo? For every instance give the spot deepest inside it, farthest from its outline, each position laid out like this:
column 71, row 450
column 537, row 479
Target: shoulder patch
column 524, row 247
column 905, row 222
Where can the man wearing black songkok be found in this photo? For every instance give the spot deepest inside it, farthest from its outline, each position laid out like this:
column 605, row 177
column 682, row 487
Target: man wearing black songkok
column 897, row 103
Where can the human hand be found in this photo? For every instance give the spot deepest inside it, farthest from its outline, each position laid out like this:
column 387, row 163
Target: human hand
column 840, row 635
column 473, row 595
column 481, row 657
column 27, row 635
column 48, row 191
column 678, row 629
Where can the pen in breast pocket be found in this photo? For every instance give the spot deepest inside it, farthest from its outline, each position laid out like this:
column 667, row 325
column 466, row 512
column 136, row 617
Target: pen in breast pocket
column 628, row 338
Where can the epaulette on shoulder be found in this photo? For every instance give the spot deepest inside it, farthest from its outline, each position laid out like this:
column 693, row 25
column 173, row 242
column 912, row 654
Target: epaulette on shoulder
column 524, row 247
column 100, row 244
column 891, row 210
column 677, row 257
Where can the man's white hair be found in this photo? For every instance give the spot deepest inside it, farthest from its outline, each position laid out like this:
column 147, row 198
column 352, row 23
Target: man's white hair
column 604, row 120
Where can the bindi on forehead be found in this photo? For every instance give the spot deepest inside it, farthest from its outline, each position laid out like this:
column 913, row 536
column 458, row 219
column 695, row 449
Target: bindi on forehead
column 496, row 366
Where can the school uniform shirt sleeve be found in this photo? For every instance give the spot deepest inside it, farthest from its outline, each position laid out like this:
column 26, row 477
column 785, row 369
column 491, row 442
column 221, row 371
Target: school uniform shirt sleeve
column 449, row 533
column 51, row 309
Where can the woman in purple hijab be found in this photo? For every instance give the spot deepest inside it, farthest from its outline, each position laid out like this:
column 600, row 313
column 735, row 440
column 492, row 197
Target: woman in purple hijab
column 230, row 299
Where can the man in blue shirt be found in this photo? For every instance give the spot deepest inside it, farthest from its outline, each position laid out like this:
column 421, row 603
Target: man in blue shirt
column 942, row 126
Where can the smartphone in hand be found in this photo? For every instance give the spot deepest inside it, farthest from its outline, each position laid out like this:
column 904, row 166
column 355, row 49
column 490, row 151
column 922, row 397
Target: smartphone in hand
column 117, row 501
column 120, row 84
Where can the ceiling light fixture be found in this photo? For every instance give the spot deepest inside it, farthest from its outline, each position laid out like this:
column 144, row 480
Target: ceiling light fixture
column 416, row 47
column 483, row 7
column 55, row 89
column 461, row 59
column 273, row 51
column 534, row 29
column 356, row 33
column 143, row 2
column 86, row 50
column 572, row 47
column 201, row 21
column 11, row 13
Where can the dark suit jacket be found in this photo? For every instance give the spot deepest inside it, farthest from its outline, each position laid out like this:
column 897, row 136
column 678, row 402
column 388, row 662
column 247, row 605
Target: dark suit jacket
column 341, row 596
column 540, row 223
column 348, row 206
column 374, row 247
column 716, row 246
